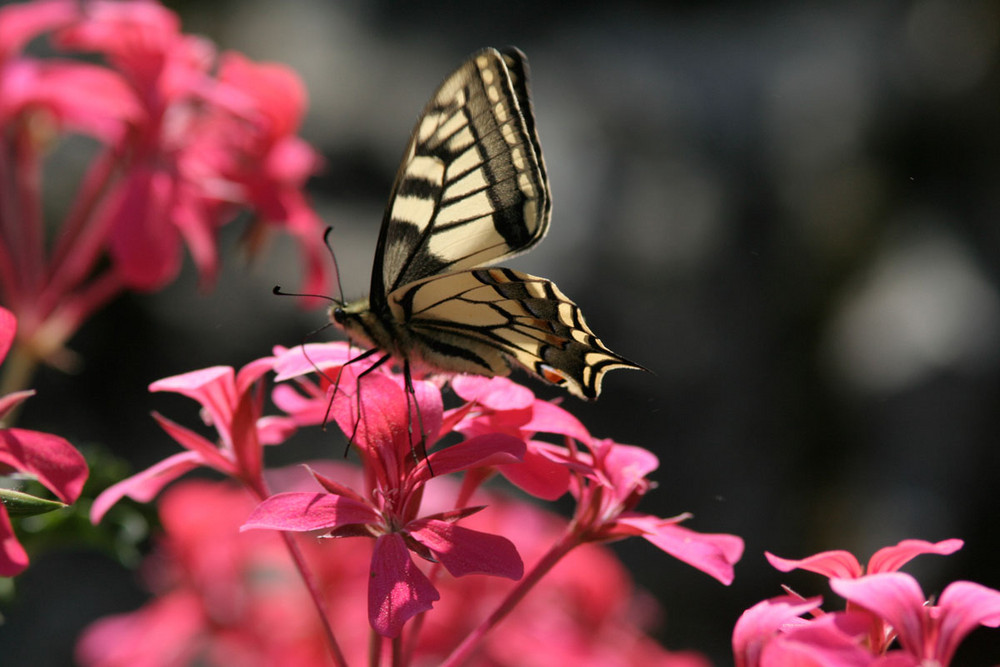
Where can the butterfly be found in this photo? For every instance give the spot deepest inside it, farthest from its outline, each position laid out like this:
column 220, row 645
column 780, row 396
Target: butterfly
column 471, row 191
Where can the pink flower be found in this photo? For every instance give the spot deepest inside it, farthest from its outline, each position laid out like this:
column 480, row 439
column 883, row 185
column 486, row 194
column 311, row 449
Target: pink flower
column 608, row 493
column 842, row 564
column 230, row 404
column 389, row 510
column 929, row 633
column 222, row 597
column 227, row 597
column 498, row 405
column 882, row 606
column 182, row 151
column 48, row 458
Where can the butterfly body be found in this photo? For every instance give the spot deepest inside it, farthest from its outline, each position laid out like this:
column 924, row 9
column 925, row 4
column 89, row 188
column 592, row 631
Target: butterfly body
column 471, row 191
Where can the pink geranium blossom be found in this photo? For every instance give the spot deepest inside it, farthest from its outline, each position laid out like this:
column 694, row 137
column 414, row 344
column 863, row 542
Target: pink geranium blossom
column 883, row 607
column 48, row 458
column 181, row 150
column 224, row 596
column 843, row 564
column 232, row 405
column 389, row 509
column 928, row 632
column 606, row 499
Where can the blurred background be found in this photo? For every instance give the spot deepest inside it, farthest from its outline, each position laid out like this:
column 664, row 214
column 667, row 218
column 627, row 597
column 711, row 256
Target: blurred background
column 789, row 212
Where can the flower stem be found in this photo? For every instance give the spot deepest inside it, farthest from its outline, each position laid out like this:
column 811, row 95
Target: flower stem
column 260, row 491
column 556, row 552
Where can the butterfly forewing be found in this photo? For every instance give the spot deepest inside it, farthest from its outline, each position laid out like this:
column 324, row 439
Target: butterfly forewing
column 472, row 188
column 478, row 321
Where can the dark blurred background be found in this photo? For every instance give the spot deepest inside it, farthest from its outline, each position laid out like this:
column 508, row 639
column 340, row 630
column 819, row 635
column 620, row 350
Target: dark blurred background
column 787, row 211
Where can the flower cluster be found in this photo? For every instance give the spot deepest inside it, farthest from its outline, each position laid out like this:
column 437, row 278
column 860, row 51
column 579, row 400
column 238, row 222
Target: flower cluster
column 183, row 140
column 42, row 456
column 888, row 620
column 424, row 529
column 228, row 597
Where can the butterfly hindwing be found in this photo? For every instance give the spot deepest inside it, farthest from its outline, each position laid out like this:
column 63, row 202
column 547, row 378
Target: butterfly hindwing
column 480, row 321
column 472, row 188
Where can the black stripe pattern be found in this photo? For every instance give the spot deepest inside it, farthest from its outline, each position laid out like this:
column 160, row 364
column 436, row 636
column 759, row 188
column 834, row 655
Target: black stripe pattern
column 472, row 190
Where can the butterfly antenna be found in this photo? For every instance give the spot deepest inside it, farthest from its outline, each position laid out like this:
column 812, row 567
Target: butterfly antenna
column 333, row 258
column 277, row 291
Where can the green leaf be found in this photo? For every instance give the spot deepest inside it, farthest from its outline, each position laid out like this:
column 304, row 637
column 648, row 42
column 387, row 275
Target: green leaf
column 25, row 504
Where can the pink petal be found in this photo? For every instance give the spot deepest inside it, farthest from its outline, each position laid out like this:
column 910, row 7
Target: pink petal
column 828, row 563
column 896, row 598
column 214, row 388
column 165, row 631
column 757, row 625
column 483, row 450
column 56, row 463
column 208, row 453
column 550, row 418
column 301, row 512
column 713, row 554
column 891, row 559
column 277, row 90
column 832, row 640
column 8, row 328
column 537, row 474
column 144, row 243
column 13, row 557
column 246, row 444
column 496, row 393
column 397, row 590
column 431, row 409
column 22, row 22
column 253, row 372
column 383, row 421
column 464, row 551
column 8, row 402
column 143, row 487
column 626, row 466
column 963, row 607
column 305, row 359
column 83, row 98
column 274, row 430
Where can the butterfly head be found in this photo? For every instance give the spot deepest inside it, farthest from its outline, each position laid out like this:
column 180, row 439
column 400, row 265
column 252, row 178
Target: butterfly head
column 361, row 324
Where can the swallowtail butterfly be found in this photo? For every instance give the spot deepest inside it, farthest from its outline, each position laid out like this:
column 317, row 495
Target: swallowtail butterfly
column 472, row 191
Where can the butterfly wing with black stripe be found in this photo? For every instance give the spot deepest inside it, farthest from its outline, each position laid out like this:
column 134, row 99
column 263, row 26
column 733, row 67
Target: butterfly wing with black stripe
column 484, row 320
column 472, row 188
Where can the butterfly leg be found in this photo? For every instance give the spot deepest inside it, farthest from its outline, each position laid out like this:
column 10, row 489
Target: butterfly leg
column 336, row 385
column 411, row 394
column 357, row 391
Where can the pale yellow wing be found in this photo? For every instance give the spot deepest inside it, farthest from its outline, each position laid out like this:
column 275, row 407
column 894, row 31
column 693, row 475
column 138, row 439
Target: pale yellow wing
column 471, row 189
column 481, row 321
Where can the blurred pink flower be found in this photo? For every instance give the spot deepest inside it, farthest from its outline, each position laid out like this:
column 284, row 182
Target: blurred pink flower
column 48, row 458
column 232, row 405
column 225, row 597
column 181, row 152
